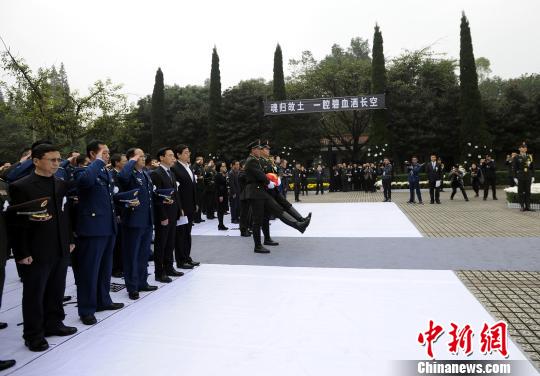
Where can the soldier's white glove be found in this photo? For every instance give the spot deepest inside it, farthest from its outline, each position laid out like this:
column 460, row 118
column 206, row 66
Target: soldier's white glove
column 516, row 181
column 271, row 185
column 532, row 180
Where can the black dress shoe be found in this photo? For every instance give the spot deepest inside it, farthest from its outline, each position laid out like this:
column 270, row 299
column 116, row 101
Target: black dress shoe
column 61, row 331
column 148, row 288
column 134, row 295
column 270, row 242
column 89, row 320
column 66, row 298
column 185, row 265
column 112, row 307
column 163, row 278
column 222, row 228
column 194, row 263
column 174, row 273
column 37, row 345
column 261, row 249
column 5, row 364
column 245, row 234
column 3, row 325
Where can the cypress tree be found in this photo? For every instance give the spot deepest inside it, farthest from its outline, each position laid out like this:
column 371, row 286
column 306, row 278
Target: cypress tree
column 473, row 127
column 214, row 103
column 158, row 112
column 379, row 132
column 279, row 79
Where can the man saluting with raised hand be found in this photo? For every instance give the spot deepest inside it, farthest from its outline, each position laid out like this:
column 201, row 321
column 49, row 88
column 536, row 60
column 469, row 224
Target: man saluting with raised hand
column 96, row 234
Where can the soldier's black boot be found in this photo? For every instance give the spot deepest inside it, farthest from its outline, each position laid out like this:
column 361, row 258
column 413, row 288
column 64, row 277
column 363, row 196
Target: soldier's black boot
column 257, row 238
column 290, row 221
column 266, row 232
column 292, row 211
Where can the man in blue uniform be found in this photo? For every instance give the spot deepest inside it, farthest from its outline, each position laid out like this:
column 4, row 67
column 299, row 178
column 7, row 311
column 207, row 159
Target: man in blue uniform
column 96, row 233
column 137, row 224
column 413, row 170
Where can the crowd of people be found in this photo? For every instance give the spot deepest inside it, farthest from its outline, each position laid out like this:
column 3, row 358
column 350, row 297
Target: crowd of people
column 100, row 213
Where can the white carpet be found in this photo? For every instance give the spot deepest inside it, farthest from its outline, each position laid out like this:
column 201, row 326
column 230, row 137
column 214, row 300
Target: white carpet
column 260, row 320
column 355, row 220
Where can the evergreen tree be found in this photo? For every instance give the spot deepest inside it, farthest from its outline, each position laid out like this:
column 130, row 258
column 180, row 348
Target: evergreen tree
column 280, row 125
column 473, row 127
column 214, row 103
column 379, row 132
column 158, row 112
column 279, row 79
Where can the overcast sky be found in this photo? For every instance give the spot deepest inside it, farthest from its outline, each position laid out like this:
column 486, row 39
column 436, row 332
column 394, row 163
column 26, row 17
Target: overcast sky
column 127, row 40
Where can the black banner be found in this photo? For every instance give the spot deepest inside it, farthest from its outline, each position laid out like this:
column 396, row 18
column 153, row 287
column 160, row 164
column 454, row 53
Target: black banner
column 306, row 106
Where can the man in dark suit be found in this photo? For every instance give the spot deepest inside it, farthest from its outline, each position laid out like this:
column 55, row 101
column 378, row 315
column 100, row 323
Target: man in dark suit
column 187, row 190
column 234, row 188
column 137, row 223
column 490, row 177
column 167, row 212
column 435, row 174
column 523, row 172
column 96, row 234
column 46, row 242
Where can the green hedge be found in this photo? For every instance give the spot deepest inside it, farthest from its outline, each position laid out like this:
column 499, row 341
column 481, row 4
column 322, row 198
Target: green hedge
column 502, row 177
column 513, row 197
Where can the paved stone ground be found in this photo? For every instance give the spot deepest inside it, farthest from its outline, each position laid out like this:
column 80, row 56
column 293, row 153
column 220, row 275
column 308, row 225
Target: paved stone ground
column 513, row 296
column 453, row 218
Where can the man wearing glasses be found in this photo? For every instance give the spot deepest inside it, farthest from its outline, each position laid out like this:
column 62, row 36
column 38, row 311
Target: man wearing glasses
column 43, row 252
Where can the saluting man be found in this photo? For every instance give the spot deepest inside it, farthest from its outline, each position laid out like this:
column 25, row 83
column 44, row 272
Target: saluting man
column 137, row 224
column 96, row 234
column 523, row 170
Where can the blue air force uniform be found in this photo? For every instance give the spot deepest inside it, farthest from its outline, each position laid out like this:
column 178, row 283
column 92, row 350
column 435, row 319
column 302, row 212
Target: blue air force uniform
column 96, row 232
column 136, row 227
column 413, row 170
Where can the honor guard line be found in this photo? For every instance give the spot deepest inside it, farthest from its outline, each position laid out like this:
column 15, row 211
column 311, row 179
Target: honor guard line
column 307, row 106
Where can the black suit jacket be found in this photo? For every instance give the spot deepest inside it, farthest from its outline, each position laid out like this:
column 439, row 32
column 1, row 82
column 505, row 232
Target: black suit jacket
column 434, row 174
column 187, row 188
column 35, row 238
column 162, row 211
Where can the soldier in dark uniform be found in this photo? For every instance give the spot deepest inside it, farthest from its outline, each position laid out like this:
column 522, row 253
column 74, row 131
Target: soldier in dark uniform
column 387, row 175
column 303, row 180
column 319, row 180
column 198, row 171
column 234, row 191
column 118, row 161
column 210, row 190
column 490, row 177
column 297, row 181
column 523, row 170
column 413, row 172
column 96, row 233
column 261, row 200
column 47, row 241
column 245, row 225
column 222, row 192
column 137, row 224
column 4, row 364
column 510, row 167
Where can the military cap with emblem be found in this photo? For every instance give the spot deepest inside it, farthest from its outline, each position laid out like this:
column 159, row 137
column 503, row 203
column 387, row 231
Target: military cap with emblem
column 254, row 145
column 165, row 194
column 128, row 197
column 36, row 210
column 265, row 145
